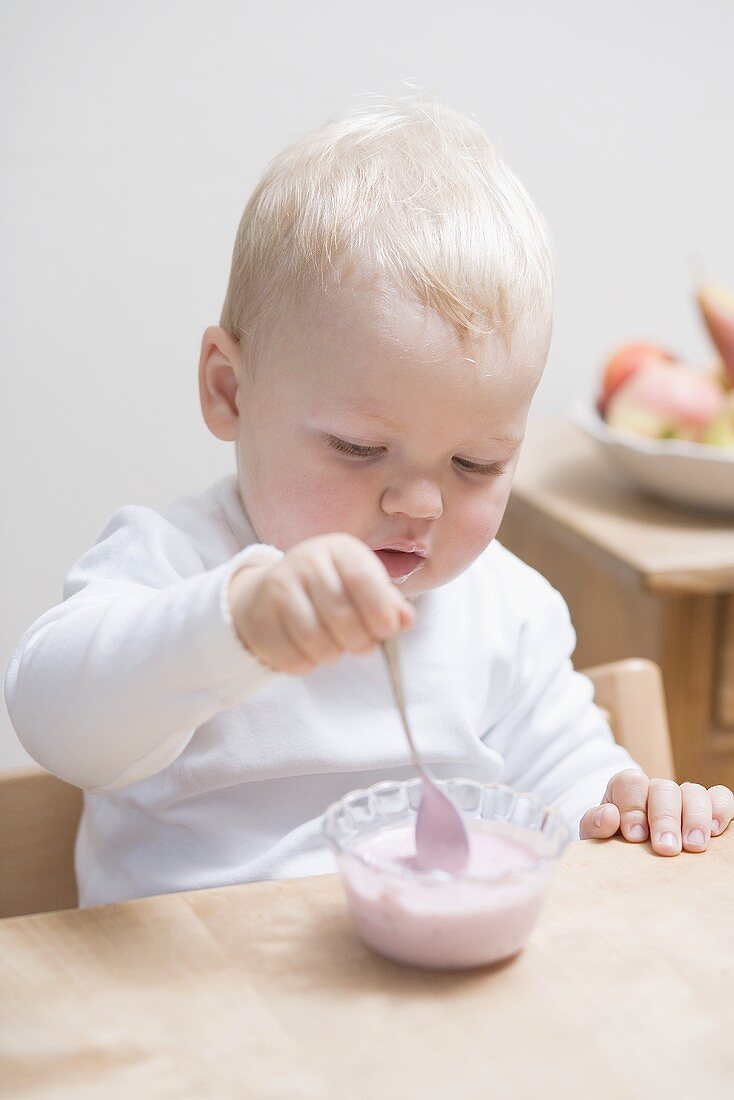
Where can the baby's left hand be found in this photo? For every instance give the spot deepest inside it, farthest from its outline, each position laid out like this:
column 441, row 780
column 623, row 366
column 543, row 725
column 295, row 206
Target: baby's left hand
column 659, row 808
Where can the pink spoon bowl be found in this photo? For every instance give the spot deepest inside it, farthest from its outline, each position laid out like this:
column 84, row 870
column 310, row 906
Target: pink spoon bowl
column 434, row 919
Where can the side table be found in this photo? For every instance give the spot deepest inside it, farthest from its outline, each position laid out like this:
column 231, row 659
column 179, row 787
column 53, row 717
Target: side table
column 642, row 578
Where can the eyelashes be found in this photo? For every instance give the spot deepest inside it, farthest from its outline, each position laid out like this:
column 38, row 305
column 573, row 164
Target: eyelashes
column 357, row 450
column 494, row 469
column 346, row 448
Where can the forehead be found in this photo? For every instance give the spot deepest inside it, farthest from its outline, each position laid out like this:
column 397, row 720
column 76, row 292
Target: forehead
column 369, row 348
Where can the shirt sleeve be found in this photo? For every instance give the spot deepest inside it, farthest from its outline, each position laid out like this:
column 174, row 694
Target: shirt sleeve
column 108, row 687
column 555, row 741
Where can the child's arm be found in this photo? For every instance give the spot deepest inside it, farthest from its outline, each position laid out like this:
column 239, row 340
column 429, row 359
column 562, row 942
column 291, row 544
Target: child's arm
column 107, row 688
column 554, row 740
column 557, row 743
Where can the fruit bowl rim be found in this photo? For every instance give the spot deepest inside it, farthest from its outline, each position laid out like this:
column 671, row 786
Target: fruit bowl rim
column 587, row 417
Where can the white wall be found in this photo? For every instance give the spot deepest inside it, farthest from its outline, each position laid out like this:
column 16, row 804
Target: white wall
column 134, row 132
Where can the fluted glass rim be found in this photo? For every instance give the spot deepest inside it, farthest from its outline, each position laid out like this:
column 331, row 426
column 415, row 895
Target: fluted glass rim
column 552, row 826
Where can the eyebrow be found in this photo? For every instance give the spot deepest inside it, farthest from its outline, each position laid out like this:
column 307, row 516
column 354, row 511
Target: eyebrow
column 330, row 412
column 383, row 420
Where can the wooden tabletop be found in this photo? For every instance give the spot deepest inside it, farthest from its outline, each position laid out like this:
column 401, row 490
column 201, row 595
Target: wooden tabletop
column 563, row 475
column 625, row 990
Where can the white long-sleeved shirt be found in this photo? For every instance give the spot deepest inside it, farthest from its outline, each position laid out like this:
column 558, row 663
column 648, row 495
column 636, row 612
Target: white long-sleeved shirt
column 202, row 767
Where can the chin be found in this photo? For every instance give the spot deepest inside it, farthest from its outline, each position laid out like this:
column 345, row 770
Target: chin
column 433, row 576
column 414, row 587
column 425, row 580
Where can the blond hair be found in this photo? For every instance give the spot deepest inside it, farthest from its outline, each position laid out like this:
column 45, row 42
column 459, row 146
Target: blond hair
column 410, row 190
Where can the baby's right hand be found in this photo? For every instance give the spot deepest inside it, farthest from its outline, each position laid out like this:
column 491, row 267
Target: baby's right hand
column 327, row 595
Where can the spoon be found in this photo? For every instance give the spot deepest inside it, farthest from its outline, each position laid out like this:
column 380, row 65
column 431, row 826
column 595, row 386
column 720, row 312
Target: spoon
column 441, row 840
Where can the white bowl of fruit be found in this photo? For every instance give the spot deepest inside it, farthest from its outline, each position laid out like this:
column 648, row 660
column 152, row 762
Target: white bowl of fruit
column 669, row 425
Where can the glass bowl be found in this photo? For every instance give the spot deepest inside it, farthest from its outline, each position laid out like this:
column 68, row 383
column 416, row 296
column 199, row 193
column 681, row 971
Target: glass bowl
column 431, row 918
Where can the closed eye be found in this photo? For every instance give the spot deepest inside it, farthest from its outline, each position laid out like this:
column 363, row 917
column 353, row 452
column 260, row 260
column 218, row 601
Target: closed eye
column 344, row 447
column 492, row 469
column 359, row 450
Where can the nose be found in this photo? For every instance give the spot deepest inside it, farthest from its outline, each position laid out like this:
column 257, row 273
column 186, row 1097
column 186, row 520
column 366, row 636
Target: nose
column 419, row 499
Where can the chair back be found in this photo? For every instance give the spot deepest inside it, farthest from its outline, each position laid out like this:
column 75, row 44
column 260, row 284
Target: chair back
column 39, row 815
column 631, row 692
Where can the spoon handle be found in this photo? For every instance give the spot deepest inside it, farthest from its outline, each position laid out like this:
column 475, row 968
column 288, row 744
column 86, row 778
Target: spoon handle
column 392, row 658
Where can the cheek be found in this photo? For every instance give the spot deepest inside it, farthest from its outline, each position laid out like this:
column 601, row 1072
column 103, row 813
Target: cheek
column 287, row 505
column 473, row 524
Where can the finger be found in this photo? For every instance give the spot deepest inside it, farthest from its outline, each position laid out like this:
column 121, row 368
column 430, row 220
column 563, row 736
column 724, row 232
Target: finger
column 262, row 629
column 305, row 630
column 288, row 630
column 628, row 790
column 407, row 616
column 272, row 644
column 406, row 612
column 695, row 817
column 722, row 808
column 600, row 822
column 334, row 608
column 374, row 597
column 663, row 814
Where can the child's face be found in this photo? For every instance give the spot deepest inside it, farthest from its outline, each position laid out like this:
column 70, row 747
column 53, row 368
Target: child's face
column 365, row 414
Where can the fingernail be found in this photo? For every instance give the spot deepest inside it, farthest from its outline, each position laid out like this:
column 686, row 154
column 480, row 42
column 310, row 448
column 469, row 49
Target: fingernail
column 638, row 832
column 598, row 818
column 668, row 840
column 715, row 826
column 696, row 838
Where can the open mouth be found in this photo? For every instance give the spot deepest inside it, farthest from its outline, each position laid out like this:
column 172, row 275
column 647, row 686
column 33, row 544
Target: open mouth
column 401, row 563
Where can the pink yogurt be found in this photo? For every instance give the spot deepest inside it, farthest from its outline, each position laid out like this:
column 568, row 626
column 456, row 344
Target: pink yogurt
column 440, row 921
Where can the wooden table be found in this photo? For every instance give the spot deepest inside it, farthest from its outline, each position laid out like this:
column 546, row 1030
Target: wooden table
column 642, row 578
column 264, row 991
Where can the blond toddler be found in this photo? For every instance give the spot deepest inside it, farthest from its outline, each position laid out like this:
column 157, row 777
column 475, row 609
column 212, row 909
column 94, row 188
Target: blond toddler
column 212, row 678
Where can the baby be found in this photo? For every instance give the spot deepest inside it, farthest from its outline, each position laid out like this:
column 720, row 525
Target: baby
column 213, row 678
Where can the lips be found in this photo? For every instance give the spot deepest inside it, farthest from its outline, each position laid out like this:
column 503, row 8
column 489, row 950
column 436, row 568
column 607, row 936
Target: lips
column 401, row 562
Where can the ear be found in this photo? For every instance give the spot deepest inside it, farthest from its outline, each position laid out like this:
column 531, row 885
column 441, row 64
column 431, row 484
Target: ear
column 220, row 371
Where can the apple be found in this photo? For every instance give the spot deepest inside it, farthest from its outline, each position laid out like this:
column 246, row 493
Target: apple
column 626, row 362
column 665, row 400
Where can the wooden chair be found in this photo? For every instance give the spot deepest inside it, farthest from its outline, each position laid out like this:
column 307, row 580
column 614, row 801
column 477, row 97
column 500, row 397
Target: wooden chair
column 39, row 814
column 632, row 695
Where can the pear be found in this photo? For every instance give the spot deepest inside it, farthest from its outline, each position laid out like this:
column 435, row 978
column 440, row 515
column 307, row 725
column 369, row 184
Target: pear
column 720, row 432
column 717, row 309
